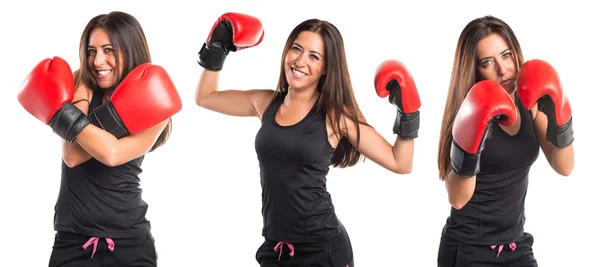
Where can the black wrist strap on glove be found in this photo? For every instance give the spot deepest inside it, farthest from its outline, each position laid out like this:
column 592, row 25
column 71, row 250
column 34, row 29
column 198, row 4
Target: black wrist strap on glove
column 464, row 163
column 105, row 117
column 559, row 136
column 68, row 122
column 407, row 125
column 212, row 58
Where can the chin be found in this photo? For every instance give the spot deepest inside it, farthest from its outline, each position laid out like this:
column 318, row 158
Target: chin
column 105, row 84
column 292, row 83
column 509, row 89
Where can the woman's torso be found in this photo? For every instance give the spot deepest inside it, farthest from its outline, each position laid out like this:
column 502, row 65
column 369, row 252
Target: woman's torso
column 294, row 161
column 495, row 214
column 98, row 200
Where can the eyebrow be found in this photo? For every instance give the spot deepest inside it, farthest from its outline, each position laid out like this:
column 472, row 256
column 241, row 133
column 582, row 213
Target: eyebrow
column 104, row 45
column 504, row 51
column 310, row 50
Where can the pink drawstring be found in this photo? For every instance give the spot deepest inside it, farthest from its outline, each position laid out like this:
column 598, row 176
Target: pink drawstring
column 94, row 240
column 512, row 246
column 279, row 247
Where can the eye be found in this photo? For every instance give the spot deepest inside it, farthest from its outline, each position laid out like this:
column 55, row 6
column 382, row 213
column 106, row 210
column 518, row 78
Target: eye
column 314, row 57
column 296, row 49
column 486, row 63
column 108, row 50
column 91, row 51
column 507, row 55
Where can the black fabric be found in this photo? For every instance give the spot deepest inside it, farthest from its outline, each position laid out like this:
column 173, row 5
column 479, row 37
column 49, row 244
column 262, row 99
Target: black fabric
column 98, row 200
column 454, row 253
column 105, row 116
column 496, row 212
column 294, row 161
column 68, row 252
column 68, row 122
column 336, row 252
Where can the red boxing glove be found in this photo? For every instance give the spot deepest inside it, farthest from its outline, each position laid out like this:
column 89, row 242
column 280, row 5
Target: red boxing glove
column 47, row 93
column 230, row 33
column 538, row 82
column 486, row 102
column 146, row 97
column 393, row 79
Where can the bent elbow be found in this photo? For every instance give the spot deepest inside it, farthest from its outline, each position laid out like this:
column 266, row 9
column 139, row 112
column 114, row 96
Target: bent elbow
column 403, row 169
column 71, row 163
column 200, row 101
column 565, row 172
column 110, row 158
column 457, row 204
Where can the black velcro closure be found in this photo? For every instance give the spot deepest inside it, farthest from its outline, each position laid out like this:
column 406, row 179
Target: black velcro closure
column 211, row 58
column 68, row 122
column 107, row 118
column 463, row 163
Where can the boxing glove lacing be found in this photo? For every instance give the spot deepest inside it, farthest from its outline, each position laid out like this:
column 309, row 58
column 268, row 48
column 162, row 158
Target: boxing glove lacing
column 279, row 247
column 94, row 240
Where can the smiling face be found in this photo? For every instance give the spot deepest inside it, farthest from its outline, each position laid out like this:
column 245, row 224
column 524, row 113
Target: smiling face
column 495, row 61
column 102, row 59
column 305, row 61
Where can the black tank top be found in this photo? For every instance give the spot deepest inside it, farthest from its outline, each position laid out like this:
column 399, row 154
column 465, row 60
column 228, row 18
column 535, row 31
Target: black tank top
column 294, row 162
column 98, row 200
column 496, row 213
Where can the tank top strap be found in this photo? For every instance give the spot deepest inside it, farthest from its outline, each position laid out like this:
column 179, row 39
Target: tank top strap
column 96, row 100
column 274, row 106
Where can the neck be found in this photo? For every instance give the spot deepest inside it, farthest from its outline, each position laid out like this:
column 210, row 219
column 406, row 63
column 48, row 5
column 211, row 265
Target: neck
column 513, row 95
column 308, row 96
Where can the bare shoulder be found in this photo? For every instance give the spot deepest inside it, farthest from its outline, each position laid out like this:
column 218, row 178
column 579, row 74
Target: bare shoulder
column 260, row 99
column 350, row 121
column 82, row 92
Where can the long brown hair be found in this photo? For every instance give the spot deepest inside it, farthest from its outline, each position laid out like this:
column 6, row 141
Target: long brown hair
column 127, row 36
column 336, row 97
column 465, row 75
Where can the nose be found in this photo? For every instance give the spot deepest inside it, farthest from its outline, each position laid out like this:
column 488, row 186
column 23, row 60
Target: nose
column 300, row 60
column 100, row 59
column 502, row 69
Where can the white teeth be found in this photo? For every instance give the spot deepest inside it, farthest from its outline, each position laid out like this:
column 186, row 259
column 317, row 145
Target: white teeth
column 299, row 73
column 104, row 72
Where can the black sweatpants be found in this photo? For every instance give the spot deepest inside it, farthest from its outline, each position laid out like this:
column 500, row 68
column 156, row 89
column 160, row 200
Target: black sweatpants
column 68, row 251
column 336, row 252
column 454, row 253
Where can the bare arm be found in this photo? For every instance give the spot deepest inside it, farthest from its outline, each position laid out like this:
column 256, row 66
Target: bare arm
column 397, row 158
column 460, row 189
column 562, row 160
column 73, row 154
column 230, row 102
column 95, row 142
column 111, row 151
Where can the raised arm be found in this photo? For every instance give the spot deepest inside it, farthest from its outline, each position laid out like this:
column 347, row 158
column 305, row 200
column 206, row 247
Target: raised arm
column 487, row 102
column 73, row 154
column 230, row 33
column 540, row 89
column 394, row 81
column 124, row 128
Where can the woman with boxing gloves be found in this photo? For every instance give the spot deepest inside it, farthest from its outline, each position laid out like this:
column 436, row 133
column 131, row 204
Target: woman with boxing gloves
column 107, row 125
column 310, row 122
column 499, row 112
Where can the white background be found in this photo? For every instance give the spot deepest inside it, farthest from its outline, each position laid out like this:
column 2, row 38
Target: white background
column 203, row 187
